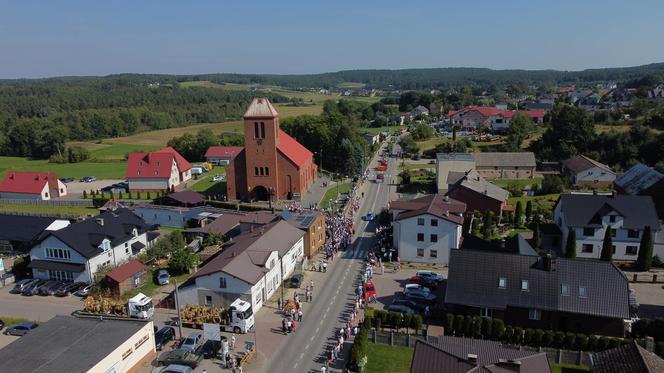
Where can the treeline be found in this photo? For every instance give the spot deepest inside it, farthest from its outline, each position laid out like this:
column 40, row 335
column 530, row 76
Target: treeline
column 38, row 117
column 193, row 147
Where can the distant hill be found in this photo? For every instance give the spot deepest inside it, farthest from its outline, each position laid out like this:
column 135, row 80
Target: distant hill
column 399, row 79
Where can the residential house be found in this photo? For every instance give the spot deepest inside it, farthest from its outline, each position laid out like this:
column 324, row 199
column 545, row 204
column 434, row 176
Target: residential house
column 72, row 344
column 505, row 165
column 31, row 185
column 641, row 180
column 472, row 118
column 468, row 355
column 591, row 102
column 419, row 111
column 371, row 138
column 222, row 155
column 185, row 198
column 251, row 266
column 477, row 193
column 539, row 106
column 588, row 173
column 576, row 95
column 162, row 170
column 426, row 229
column 629, row 358
column 590, row 215
column 516, row 244
column 313, row 224
column 20, row 232
column 576, row 295
column 77, row 251
column 657, row 92
column 126, row 277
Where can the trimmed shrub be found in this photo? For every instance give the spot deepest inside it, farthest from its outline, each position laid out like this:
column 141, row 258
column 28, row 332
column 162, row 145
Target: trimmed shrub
column 384, row 318
column 477, row 327
column 487, row 327
column 614, row 342
column 570, row 341
column 528, row 337
column 603, row 343
column 582, row 342
column 558, row 339
column 449, row 325
column 518, row 335
column 407, row 320
column 468, row 326
column 509, row 333
column 458, row 325
column 416, row 323
column 498, row 329
column 395, row 319
column 593, row 343
column 538, row 337
column 547, row 339
column 377, row 323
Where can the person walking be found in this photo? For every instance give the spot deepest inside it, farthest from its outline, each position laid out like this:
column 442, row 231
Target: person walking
column 284, row 326
column 233, row 341
column 299, row 315
column 311, row 284
column 294, row 325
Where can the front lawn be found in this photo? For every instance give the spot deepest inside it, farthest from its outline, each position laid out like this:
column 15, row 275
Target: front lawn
column 331, row 194
column 540, row 203
column 569, row 368
column 62, row 211
column 388, row 359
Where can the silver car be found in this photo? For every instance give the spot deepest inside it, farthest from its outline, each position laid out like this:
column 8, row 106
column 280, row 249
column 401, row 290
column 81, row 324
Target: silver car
column 192, row 342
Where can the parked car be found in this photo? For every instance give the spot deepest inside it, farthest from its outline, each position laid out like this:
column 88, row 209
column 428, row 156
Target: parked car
column 415, row 306
column 67, row 179
column 22, row 285
column 295, row 281
column 400, row 308
column 369, row 216
column 369, row 290
column 177, row 368
column 50, row 287
column 163, row 336
column 193, row 341
column 69, row 289
column 20, row 329
column 88, row 179
column 179, row 356
column 424, row 281
column 163, row 277
column 209, row 349
column 426, row 298
column 217, row 177
column 430, row 274
column 2, row 324
column 416, row 288
column 33, row 288
column 83, row 291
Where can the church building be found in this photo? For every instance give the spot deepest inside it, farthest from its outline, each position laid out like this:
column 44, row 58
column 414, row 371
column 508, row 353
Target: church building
column 272, row 164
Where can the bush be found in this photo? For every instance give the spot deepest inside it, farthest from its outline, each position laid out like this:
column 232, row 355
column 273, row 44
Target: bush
column 603, row 343
column 407, row 320
column 57, row 158
column 394, row 319
column 509, row 333
column 570, row 341
column 528, row 337
column 449, row 325
column 552, row 184
column 77, row 154
column 581, row 342
column 558, row 339
column 498, row 329
column 487, row 327
column 458, row 325
column 518, row 335
column 477, row 327
column 416, row 323
column 538, row 337
column 547, row 339
column 468, row 326
column 593, row 343
column 99, row 201
column 614, row 342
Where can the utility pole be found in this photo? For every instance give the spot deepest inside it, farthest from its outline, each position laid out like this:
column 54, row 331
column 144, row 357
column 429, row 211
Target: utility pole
column 177, row 307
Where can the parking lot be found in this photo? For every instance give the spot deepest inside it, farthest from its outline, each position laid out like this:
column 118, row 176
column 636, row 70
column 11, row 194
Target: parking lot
column 75, row 188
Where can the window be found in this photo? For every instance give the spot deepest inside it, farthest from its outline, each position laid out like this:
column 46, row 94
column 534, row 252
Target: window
column 126, row 354
column 534, row 314
column 564, row 290
column 58, row 253
column 524, row 285
column 486, row 312
column 260, row 170
column 633, row 233
column 613, row 248
column 60, row 275
column 502, row 283
column 267, row 171
column 587, row 248
column 583, row 292
column 434, row 222
column 434, row 238
column 255, row 171
column 420, row 221
column 256, row 134
column 262, row 130
column 222, row 282
column 631, row 250
column 420, row 237
column 208, row 300
column 588, row 232
column 433, row 253
column 420, row 252
column 612, row 218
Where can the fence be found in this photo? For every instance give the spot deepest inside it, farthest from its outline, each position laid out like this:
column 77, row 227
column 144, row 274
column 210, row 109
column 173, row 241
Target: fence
column 408, row 340
column 645, row 277
column 50, row 202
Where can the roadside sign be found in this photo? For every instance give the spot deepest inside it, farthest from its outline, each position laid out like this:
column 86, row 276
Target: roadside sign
column 211, row 332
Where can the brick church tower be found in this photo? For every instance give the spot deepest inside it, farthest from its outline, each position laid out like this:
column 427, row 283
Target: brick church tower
column 272, row 164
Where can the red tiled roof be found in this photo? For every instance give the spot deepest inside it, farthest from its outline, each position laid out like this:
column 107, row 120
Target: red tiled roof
column 28, row 182
column 293, row 150
column 223, row 151
column 434, row 204
column 126, row 270
column 156, row 164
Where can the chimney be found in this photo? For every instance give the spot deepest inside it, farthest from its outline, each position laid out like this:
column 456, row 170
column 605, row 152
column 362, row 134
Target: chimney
column 472, row 358
column 650, row 344
column 100, row 221
column 547, row 261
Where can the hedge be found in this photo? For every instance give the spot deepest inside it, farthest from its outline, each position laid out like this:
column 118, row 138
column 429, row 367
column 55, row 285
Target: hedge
column 382, row 319
column 495, row 329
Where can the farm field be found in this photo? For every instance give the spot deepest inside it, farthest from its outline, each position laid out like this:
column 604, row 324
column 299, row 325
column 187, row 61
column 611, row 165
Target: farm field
column 102, row 170
column 64, row 211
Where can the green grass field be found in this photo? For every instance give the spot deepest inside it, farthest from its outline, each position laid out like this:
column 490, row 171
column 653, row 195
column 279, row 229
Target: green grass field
column 558, row 368
column 541, row 203
column 331, row 194
column 520, row 182
column 102, row 170
column 388, row 359
column 64, row 211
column 206, row 186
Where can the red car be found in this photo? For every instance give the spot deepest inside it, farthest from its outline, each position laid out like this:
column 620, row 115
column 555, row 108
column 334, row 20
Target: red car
column 380, row 176
column 426, row 282
column 369, row 291
column 380, row 168
column 383, row 162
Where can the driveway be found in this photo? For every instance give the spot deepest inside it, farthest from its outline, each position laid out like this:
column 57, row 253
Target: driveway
column 75, row 188
column 650, row 298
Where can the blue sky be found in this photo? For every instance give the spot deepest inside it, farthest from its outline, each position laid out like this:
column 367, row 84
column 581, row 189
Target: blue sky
column 55, row 38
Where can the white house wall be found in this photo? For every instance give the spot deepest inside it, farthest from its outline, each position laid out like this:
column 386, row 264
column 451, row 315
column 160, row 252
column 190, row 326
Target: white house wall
column 448, row 238
column 138, row 346
column 595, row 174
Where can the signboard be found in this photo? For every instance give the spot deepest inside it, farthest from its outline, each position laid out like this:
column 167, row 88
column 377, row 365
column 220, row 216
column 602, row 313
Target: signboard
column 211, row 332
column 2, row 265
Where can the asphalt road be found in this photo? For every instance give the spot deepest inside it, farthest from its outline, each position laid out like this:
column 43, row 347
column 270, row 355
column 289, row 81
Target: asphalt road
column 306, row 350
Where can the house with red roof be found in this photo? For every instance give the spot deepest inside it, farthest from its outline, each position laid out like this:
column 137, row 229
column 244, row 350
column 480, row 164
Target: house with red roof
column 164, row 169
column 272, row 165
column 221, row 155
column 126, row 277
column 472, row 118
column 31, row 185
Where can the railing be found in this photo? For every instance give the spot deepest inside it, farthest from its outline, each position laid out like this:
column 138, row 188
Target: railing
column 653, row 278
column 51, row 202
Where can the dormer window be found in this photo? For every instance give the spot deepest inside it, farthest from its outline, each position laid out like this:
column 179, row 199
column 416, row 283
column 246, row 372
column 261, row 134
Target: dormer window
column 134, row 232
column 612, row 218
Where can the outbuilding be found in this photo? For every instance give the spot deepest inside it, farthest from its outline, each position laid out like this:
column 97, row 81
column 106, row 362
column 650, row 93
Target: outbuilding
column 126, row 277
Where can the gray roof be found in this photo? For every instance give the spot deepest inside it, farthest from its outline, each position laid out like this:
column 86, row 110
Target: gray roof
column 86, row 236
column 450, row 355
column 584, row 210
column 473, row 181
column 21, row 228
column 580, row 163
column 505, row 159
column 244, row 257
column 638, row 178
column 52, row 347
column 630, row 358
column 455, row 157
column 473, row 281
column 516, row 245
